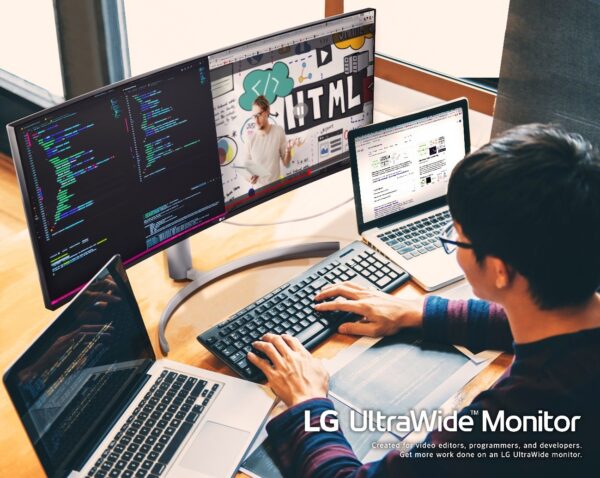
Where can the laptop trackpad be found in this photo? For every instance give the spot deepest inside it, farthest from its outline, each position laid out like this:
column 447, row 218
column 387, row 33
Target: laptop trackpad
column 214, row 450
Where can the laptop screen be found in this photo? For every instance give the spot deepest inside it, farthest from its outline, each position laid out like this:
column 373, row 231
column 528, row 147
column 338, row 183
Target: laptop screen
column 73, row 380
column 406, row 162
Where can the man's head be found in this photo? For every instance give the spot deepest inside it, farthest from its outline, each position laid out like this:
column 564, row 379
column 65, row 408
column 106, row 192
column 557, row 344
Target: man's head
column 529, row 203
column 260, row 111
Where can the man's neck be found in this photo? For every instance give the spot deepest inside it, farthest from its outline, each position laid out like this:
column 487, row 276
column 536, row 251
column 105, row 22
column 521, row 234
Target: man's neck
column 265, row 129
column 529, row 323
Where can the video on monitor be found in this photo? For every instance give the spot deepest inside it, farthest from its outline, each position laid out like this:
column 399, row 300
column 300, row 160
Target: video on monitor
column 284, row 104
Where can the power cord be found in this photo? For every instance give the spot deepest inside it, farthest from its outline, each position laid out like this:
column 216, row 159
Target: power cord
column 232, row 223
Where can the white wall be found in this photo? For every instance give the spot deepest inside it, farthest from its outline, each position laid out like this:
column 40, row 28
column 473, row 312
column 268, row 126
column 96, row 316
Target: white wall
column 163, row 32
column 462, row 38
column 392, row 100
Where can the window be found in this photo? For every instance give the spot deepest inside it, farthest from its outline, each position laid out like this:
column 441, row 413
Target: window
column 460, row 38
column 29, row 43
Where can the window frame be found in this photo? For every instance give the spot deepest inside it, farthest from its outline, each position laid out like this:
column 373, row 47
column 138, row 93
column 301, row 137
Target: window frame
column 481, row 98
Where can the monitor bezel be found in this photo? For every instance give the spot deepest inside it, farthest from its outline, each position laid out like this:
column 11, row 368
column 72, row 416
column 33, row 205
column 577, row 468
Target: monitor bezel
column 12, row 129
column 419, row 208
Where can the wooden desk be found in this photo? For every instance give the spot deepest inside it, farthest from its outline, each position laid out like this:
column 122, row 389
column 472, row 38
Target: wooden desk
column 23, row 316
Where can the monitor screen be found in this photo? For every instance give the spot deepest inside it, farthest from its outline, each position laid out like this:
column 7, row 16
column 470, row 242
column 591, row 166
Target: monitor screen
column 73, row 380
column 284, row 105
column 126, row 170
column 134, row 167
column 408, row 162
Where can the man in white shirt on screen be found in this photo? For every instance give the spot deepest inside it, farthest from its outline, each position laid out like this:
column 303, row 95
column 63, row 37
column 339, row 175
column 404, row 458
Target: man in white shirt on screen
column 267, row 147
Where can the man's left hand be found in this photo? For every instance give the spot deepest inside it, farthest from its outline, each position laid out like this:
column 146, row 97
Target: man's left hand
column 293, row 374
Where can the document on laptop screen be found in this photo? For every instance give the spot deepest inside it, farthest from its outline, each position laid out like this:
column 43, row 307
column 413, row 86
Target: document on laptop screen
column 408, row 164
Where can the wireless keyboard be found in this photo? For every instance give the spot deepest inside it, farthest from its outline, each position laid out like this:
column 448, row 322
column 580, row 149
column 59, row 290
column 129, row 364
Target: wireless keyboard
column 289, row 308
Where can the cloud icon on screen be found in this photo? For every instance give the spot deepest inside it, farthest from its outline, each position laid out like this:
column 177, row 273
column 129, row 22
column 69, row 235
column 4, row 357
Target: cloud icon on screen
column 270, row 83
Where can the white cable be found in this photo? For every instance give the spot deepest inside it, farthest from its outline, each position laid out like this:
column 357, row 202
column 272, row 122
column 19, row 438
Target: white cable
column 232, row 223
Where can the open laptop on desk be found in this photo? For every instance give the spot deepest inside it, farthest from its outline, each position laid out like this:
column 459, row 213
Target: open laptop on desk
column 95, row 402
column 400, row 172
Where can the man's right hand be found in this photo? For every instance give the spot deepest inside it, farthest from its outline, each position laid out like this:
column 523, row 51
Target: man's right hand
column 383, row 314
column 253, row 179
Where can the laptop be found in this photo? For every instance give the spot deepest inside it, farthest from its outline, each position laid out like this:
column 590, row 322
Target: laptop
column 400, row 172
column 95, row 401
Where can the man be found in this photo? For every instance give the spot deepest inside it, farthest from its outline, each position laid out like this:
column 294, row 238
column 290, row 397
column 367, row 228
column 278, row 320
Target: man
column 526, row 211
column 268, row 145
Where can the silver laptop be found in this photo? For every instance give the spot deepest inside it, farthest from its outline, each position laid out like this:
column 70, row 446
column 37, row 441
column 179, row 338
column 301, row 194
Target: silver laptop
column 400, row 173
column 96, row 402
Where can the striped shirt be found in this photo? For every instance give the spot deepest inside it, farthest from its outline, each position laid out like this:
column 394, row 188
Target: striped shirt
column 559, row 374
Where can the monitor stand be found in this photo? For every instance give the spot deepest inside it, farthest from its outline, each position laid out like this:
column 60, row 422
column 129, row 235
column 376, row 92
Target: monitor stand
column 179, row 258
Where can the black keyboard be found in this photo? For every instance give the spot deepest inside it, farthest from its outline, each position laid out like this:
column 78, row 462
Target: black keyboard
column 145, row 444
column 418, row 237
column 289, row 308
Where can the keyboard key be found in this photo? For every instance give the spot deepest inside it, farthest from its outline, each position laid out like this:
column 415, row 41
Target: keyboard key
column 192, row 417
column 158, row 448
column 310, row 332
column 175, row 442
column 229, row 350
column 198, row 388
column 383, row 281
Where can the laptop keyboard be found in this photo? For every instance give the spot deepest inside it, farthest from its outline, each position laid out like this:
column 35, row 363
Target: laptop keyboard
column 152, row 434
column 289, row 308
column 417, row 238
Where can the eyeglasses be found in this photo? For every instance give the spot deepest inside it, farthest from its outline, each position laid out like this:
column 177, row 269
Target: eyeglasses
column 259, row 114
column 449, row 239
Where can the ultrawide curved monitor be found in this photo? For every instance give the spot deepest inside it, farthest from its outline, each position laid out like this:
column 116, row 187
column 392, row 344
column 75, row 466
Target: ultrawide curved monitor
column 134, row 167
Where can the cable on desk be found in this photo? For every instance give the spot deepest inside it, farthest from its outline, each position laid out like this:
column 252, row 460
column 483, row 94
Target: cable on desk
column 289, row 220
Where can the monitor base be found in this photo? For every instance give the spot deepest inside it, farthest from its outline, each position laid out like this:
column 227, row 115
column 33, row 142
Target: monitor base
column 180, row 268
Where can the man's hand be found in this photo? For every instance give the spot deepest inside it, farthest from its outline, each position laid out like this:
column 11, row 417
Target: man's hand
column 253, row 179
column 293, row 374
column 383, row 314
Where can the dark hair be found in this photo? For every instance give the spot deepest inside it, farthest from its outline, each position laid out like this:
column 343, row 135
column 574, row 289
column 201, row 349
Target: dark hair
column 262, row 103
column 531, row 197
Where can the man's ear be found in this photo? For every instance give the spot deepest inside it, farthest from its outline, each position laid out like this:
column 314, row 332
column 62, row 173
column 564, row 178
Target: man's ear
column 503, row 273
